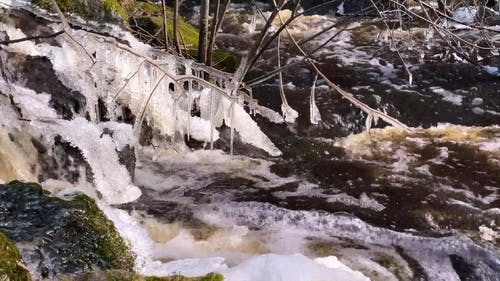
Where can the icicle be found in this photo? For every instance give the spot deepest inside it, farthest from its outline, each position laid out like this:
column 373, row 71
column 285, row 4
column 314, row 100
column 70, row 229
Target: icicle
column 174, row 113
column 231, row 117
column 253, row 24
column 189, row 108
column 314, row 113
column 211, row 120
column 142, row 112
column 251, row 105
column 369, row 120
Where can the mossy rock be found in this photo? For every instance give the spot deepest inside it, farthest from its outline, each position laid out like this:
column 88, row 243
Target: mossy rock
column 149, row 17
column 108, row 10
column 116, row 275
column 71, row 236
column 220, row 60
column 12, row 267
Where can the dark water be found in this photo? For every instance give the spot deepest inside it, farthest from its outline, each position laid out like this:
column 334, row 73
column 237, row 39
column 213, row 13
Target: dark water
column 408, row 192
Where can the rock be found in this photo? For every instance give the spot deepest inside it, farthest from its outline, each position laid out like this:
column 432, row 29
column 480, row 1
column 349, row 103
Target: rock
column 99, row 10
column 121, row 275
column 37, row 73
column 11, row 263
column 61, row 236
column 351, row 7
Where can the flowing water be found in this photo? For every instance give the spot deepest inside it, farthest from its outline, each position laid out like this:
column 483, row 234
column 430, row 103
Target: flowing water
column 393, row 205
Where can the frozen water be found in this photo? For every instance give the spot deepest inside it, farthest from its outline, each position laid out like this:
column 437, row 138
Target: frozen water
column 111, row 178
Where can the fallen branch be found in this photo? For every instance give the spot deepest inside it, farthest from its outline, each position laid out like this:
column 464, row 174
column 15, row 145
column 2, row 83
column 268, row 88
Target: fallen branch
column 13, row 41
column 372, row 113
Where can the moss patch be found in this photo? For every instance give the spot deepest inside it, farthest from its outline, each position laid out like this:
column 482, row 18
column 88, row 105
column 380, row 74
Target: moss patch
column 113, row 10
column 116, row 275
column 151, row 20
column 220, row 60
column 108, row 10
column 73, row 236
column 11, row 263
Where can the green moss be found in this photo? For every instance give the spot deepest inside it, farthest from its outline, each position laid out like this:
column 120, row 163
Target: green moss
column 112, row 248
column 117, row 275
column 113, row 9
column 109, row 10
column 151, row 8
column 148, row 12
column 11, row 264
column 75, row 234
column 220, row 60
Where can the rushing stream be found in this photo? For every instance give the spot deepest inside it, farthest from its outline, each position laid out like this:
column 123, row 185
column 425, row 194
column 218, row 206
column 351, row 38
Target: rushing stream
column 340, row 201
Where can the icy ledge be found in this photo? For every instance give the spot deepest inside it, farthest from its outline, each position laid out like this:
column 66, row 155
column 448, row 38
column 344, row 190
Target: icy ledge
column 129, row 77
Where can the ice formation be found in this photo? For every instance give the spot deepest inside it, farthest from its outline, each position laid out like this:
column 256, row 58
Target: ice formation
column 153, row 88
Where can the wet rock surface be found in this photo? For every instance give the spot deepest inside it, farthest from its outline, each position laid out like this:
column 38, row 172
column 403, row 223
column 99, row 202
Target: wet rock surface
column 37, row 73
column 60, row 236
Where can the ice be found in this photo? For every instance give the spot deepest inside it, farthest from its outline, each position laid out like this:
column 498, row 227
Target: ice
column 273, row 267
column 122, row 134
column 33, row 105
column 111, row 178
column 448, row 96
column 364, row 201
column 289, row 114
column 340, row 9
column 121, row 76
column 270, row 115
column 240, row 120
column 387, row 70
column 465, row 14
column 314, row 114
column 492, row 70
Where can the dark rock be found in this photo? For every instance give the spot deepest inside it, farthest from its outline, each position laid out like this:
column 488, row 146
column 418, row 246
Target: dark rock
column 352, row 7
column 37, row 73
column 62, row 236
column 63, row 163
column 127, row 158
